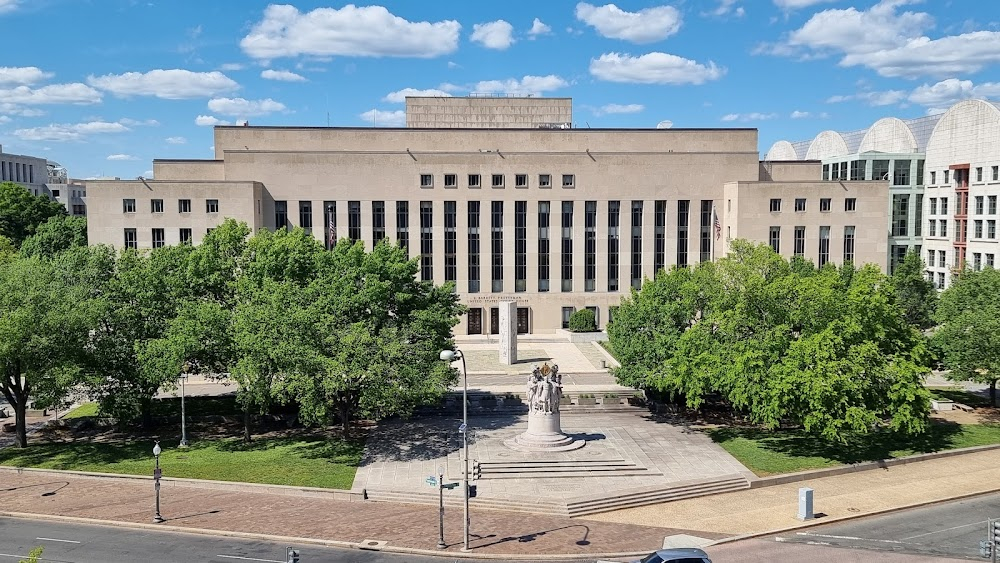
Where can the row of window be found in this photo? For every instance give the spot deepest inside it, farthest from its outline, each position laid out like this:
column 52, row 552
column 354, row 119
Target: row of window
column 856, row 170
column 17, row 172
column 497, row 181
column 159, row 237
column 823, row 255
column 939, row 228
column 475, row 317
column 946, row 176
column 183, row 206
column 984, row 205
column 825, row 204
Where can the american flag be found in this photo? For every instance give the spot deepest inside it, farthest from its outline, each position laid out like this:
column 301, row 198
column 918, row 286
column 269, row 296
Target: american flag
column 715, row 222
column 331, row 237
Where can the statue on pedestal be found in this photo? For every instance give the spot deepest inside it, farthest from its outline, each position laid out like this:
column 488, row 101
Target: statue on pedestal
column 544, row 390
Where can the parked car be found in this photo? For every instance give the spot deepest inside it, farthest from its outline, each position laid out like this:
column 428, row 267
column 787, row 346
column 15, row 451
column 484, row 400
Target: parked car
column 675, row 555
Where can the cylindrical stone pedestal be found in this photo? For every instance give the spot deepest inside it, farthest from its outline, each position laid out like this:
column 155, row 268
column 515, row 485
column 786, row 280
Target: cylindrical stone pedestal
column 543, row 435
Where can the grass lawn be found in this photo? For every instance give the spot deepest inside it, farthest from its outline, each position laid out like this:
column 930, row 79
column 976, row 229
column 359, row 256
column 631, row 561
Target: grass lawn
column 299, row 461
column 773, row 452
column 83, row 411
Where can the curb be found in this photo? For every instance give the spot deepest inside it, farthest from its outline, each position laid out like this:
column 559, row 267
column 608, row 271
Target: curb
column 824, row 521
column 313, row 541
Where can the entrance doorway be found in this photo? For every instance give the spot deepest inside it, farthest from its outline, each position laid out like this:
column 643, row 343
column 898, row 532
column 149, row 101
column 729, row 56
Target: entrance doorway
column 475, row 321
column 494, row 320
column 522, row 320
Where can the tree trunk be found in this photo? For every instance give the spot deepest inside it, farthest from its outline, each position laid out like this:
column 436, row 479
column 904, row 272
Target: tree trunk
column 345, row 418
column 20, row 406
column 246, row 426
column 993, row 392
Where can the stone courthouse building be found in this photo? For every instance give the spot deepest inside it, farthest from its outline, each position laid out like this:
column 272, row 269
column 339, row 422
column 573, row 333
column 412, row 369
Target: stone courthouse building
column 505, row 198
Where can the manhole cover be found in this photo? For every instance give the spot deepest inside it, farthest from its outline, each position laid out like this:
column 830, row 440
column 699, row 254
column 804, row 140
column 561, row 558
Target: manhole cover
column 854, row 509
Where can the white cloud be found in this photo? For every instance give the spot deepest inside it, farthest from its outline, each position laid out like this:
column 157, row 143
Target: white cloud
column 122, row 157
column 948, row 92
column 68, row 132
column 74, row 93
column 800, row 114
column 755, row 116
column 384, row 118
column 619, row 108
column 282, row 75
column 645, row 26
column 148, row 174
column 25, row 75
column 4, row 119
column 726, row 7
column 538, row 28
column 493, row 35
column 399, row 96
column 886, row 98
column 369, row 31
column 173, row 84
column 14, row 109
column 175, row 140
column 653, row 68
column 231, row 66
column 528, row 85
column 796, row 4
column 209, row 121
column 136, row 122
column 8, row 6
column 244, row 108
column 955, row 54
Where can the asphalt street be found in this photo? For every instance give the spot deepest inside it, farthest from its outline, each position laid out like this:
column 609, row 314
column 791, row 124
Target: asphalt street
column 951, row 529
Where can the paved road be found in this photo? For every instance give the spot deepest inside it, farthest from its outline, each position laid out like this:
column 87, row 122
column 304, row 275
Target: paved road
column 76, row 543
column 950, row 529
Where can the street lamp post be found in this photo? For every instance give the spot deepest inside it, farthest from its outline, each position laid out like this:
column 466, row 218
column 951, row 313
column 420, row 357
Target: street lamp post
column 156, row 480
column 441, row 544
column 184, row 436
column 449, row 356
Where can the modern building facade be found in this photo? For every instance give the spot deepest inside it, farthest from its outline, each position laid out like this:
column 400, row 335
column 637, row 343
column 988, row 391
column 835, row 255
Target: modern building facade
column 42, row 177
column 554, row 219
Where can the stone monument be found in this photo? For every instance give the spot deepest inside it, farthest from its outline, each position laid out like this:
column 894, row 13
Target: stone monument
column 544, row 433
column 508, row 333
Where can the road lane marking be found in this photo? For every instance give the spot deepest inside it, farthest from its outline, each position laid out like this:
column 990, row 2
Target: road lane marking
column 850, row 538
column 56, row 539
column 948, row 529
column 249, row 558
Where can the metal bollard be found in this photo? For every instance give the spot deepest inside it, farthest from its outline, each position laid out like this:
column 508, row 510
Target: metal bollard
column 805, row 503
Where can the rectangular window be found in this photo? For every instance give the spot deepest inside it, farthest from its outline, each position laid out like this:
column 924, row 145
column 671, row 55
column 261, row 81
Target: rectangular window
column 211, row 206
column 933, row 178
column 659, row 235
column 590, row 246
column 897, row 252
column 426, row 180
column 544, row 180
column 128, row 206
column 901, row 173
column 568, row 180
column 450, row 241
column 683, row 219
column 991, row 229
column 932, row 230
column 330, row 224
column 378, row 222
column 930, row 258
column 185, row 236
column 306, row 215
column 980, row 204
column 474, row 180
column 403, row 225
column 184, row 206
column 977, row 228
column 991, row 205
column 497, row 180
column 614, row 222
column 977, row 261
column 521, row 246
column 496, row 236
column 31, row 173
column 800, row 204
column 933, row 209
column 880, row 170
column 775, row 204
column 706, row 230
column 900, row 214
column 131, row 241
column 849, row 244
column 567, row 246
column 55, row 194
column 979, row 173
column 857, row 170
column 159, row 238
column 918, row 220
column 989, row 260
column 543, row 245
column 920, row 172
column 799, row 247
column 451, row 180
column 851, row 204
column 940, row 280
column 567, row 312
column 946, row 177
column 155, row 205
column 354, row 220
column 824, row 204
column 826, row 171
column 944, row 227
column 426, row 240
column 944, row 206
column 774, row 238
column 942, row 258
column 996, row 173
column 280, row 214
column 520, row 180
column 636, row 277
column 473, row 212
column 824, row 246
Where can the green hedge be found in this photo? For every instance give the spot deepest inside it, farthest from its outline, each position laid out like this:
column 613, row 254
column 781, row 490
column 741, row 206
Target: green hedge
column 582, row 320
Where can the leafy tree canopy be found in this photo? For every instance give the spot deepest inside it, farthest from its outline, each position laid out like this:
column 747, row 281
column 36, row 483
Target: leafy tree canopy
column 21, row 212
column 914, row 292
column 59, row 233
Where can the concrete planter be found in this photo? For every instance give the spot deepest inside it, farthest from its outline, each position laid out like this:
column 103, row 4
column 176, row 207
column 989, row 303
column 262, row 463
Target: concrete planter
column 586, row 401
column 598, row 336
column 8, row 428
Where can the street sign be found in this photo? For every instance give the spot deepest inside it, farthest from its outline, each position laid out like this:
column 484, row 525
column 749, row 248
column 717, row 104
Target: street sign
column 461, row 428
column 431, row 481
column 157, row 473
column 449, row 485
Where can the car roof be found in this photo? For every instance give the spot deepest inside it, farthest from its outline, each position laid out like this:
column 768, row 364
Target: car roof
column 681, row 552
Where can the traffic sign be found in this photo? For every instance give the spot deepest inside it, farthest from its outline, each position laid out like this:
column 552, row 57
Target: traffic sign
column 431, row 481
column 461, row 428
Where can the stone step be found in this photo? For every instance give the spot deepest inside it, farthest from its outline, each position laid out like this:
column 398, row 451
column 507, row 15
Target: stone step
column 575, row 474
column 657, row 496
column 544, row 463
column 451, row 499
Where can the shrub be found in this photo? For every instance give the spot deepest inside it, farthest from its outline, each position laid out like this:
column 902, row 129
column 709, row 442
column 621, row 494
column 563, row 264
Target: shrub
column 582, row 320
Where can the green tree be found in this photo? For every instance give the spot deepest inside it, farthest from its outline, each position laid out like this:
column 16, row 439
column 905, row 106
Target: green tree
column 968, row 335
column 915, row 294
column 34, row 556
column 59, row 233
column 582, row 320
column 21, row 212
column 45, row 324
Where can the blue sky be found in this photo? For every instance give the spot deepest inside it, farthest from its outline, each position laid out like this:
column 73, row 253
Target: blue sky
column 105, row 86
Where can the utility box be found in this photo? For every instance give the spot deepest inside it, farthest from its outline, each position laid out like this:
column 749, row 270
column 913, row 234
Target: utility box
column 805, row 503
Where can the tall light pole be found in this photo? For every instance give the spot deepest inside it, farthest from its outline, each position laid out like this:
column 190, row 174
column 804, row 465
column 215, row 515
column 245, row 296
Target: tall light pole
column 184, row 436
column 156, row 479
column 449, row 356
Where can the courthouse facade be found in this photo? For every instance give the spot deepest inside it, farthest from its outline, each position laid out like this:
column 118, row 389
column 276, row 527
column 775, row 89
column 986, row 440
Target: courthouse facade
column 505, row 205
